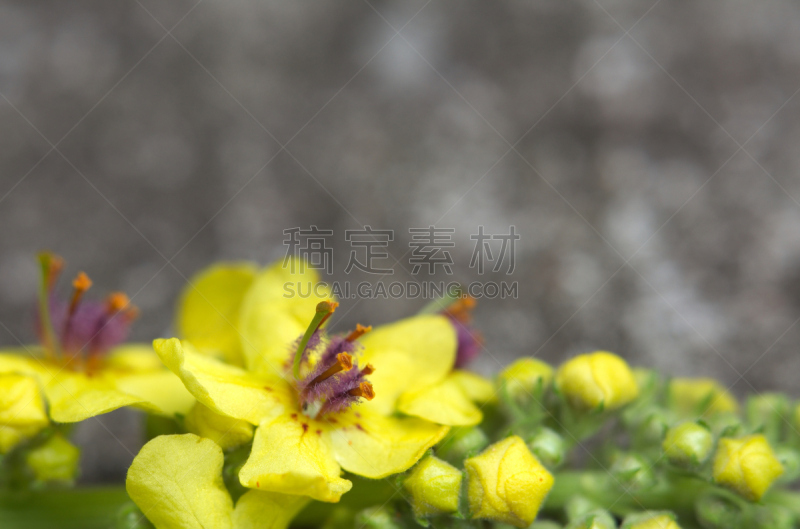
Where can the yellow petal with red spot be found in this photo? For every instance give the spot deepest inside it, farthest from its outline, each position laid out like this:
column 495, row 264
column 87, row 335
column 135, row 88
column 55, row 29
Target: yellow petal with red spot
column 291, row 455
column 375, row 446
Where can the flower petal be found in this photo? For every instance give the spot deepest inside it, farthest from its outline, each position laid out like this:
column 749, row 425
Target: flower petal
column 375, row 446
column 222, row 387
column 22, row 362
column 276, row 311
column 474, row 386
column 410, row 354
column 161, row 391
column 289, row 456
column 133, row 358
column 21, row 403
column 208, row 311
column 176, row 480
column 74, row 397
column 267, row 510
column 443, row 403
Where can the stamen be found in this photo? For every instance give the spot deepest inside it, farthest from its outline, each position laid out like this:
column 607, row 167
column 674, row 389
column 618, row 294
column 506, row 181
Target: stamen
column 80, row 284
column 461, row 309
column 324, row 310
column 363, row 390
column 358, row 332
column 344, row 362
column 117, row 301
column 368, row 369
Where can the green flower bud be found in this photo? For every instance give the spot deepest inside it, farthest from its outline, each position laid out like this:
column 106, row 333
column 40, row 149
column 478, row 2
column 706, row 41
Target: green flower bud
column 596, row 519
column 653, row 428
column 55, row 460
column 714, row 511
column 579, row 506
column 377, row 518
column 461, row 443
column 768, row 412
column 688, row 444
column 549, row 447
column 632, row 470
column 650, row 520
column 700, row 397
column 747, row 465
column 435, row 487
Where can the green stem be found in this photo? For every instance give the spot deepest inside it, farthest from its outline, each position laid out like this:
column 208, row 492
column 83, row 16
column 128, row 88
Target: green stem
column 52, row 345
column 85, row 508
column 324, row 309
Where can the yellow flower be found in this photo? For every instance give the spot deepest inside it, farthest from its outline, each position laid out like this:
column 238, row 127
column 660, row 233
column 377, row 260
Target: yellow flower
column 746, row 465
column 435, row 487
column 599, row 379
column 651, row 520
column 80, row 367
column 506, row 483
column 523, row 377
column 55, row 460
column 176, row 480
column 324, row 413
column 22, row 413
column 700, row 397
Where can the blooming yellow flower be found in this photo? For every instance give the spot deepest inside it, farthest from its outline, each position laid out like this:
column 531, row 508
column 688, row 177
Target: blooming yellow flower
column 506, row 483
column 599, row 379
column 318, row 408
column 435, row 487
column 80, row 366
column 22, row 413
column 700, row 397
column 176, row 480
column 746, row 465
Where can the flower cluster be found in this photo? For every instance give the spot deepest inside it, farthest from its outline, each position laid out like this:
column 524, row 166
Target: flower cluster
column 264, row 416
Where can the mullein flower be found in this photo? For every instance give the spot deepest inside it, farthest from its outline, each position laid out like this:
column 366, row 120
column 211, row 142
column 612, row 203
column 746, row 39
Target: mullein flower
column 700, row 397
column 688, row 444
column 506, row 483
column 322, row 402
column 176, row 480
column 81, row 365
column 22, row 411
column 596, row 381
column 435, row 487
column 747, row 465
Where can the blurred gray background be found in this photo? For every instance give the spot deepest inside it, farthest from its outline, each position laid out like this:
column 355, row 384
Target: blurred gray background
column 646, row 152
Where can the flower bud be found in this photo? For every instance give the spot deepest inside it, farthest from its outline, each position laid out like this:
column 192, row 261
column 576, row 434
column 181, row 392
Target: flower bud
column 652, row 429
column 55, row 460
column 650, row 520
column 227, row 432
column 688, row 444
column 462, row 442
column 632, row 470
column 525, row 378
column 549, row 447
column 746, row 465
column 768, row 412
column 506, row 483
column 596, row 519
column 377, row 518
column 700, row 397
column 597, row 380
column 434, row 486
